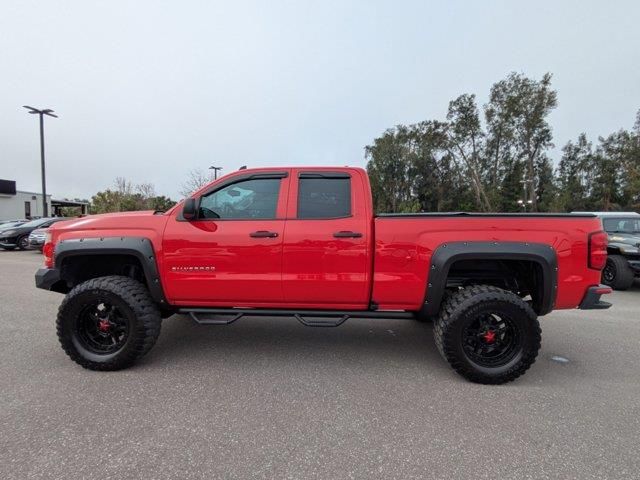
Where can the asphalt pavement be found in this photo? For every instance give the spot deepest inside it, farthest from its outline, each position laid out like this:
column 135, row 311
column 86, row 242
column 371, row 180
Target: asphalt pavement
column 270, row 398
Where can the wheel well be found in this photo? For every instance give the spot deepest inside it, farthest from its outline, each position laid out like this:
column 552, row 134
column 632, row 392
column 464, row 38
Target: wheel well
column 613, row 250
column 525, row 278
column 80, row 268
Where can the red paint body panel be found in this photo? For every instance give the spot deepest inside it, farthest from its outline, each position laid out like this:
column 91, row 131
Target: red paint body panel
column 237, row 269
column 320, row 271
column 404, row 247
column 217, row 263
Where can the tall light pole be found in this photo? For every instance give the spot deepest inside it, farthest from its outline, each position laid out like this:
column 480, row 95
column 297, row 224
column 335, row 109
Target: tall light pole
column 42, row 113
column 215, row 171
column 524, row 204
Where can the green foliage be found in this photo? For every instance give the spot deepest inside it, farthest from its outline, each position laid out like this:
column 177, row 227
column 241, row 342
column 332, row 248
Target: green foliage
column 125, row 198
column 496, row 159
column 604, row 178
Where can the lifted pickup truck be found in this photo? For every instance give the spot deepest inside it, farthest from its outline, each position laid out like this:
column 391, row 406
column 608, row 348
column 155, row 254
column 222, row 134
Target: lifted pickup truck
column 304, row 242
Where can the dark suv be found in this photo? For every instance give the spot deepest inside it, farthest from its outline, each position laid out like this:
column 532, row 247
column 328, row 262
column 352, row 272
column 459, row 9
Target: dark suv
column 623, row 262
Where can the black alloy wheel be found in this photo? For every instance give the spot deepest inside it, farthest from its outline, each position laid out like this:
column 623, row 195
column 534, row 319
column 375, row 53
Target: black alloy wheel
column 101, row 327
column 492, row 340
column 108, row 323
column 609, row 273
column 487, row 334
column 23, row 243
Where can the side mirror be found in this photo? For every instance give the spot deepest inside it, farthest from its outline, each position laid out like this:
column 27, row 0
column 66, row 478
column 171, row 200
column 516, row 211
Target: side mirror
column 189, row 209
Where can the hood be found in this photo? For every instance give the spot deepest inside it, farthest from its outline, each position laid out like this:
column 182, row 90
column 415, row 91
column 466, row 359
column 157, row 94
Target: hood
column 9, row 227
column 112, row 221
column 18, row 229
column 625, row 238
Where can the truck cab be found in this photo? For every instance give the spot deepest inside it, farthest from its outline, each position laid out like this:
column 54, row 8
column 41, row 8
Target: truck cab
column 300, row 238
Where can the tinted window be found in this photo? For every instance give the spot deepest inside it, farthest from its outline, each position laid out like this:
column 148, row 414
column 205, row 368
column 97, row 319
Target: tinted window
column 256, row 198
column 622, row 225
column 324, row 197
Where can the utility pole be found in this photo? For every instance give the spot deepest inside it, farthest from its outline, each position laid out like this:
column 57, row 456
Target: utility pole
column 42, row 113
column 215, row 171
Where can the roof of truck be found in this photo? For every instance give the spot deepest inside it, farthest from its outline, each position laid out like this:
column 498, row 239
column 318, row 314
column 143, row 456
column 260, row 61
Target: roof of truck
column 613, row 214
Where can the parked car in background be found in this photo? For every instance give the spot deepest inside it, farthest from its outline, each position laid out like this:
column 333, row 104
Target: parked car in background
column 623, row 262
column 18, row 236
column 37, row 238
column 7, row 224
column 4, row 222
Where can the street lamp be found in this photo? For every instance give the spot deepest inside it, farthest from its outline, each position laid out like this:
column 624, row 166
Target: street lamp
column 524, row 204
column 50, row 113
column 215, row 171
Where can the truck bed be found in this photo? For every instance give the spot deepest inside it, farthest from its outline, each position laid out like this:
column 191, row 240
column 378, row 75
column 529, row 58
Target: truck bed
column 405, row 245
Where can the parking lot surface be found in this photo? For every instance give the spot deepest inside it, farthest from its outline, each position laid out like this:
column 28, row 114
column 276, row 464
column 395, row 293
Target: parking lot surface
column 269, row 398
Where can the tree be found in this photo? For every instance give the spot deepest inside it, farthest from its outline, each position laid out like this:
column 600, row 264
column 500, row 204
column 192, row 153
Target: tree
column 574, row 176
column 606, row 177
column 518, row 131
column 128, row 197
column 389, row 168
column 631, row 161
column 608, row 165
column 160, row 203
column 197, row 179
column 464, row 163
column 466, row 143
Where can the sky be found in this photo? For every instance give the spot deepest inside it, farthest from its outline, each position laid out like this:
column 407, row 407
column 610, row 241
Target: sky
column 149, row 90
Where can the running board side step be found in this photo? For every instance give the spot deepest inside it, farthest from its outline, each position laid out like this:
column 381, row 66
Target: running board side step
column 215, row 321
column 320, row 323
column 309, row 318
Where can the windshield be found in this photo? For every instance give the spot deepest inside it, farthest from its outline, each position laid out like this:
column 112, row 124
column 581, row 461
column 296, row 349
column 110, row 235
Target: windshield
column 622, row 225
column 35, row 223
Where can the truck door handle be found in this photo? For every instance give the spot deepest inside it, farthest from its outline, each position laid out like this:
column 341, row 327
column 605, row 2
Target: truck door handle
column 263, row 234
column 347, row 234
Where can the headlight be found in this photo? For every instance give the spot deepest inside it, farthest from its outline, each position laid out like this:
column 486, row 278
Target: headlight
column 629, row 249
column 8, row 232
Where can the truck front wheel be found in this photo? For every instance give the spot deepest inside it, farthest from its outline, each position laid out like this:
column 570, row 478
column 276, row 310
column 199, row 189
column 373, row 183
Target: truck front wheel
column 108, row 323
column 487, row 334
column 617, row 273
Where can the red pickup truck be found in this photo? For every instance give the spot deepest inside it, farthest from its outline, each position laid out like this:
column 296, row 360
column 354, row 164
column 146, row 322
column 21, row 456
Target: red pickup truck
column 305, row 242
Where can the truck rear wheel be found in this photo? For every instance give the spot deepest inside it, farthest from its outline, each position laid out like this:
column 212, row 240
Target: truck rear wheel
column 108, row 323
column 487, row 334
column 617, row 273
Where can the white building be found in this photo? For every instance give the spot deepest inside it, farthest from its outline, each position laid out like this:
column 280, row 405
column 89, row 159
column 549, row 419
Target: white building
column 17, row 204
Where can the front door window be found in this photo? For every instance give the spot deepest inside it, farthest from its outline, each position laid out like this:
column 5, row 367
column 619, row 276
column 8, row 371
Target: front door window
column 250, row 199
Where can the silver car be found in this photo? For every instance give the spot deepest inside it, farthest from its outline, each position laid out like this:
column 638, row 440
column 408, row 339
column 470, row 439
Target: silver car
column 37, row 238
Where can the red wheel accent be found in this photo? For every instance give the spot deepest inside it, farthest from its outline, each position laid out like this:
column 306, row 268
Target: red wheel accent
column 104, row 325
column 490, row 336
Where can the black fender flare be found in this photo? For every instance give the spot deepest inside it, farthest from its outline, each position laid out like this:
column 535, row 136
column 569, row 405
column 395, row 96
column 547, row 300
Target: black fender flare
column 139, row 247
column 448, row 253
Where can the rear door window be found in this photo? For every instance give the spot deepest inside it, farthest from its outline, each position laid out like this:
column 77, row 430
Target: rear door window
column 324, row 197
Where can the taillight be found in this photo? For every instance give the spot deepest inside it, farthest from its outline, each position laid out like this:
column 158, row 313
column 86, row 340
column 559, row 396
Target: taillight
column 598, row 250
column 47, row 251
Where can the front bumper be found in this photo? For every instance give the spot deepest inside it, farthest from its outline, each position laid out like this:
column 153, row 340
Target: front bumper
column 8, row 241
column 591, row 300
column 47, row 278
column 36, row 243
column 635, row 266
